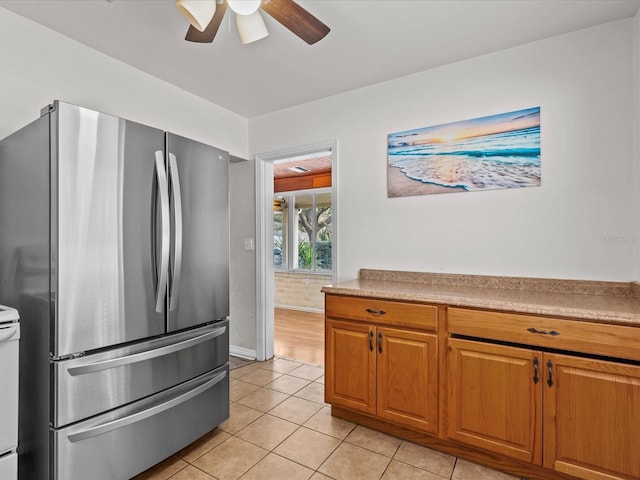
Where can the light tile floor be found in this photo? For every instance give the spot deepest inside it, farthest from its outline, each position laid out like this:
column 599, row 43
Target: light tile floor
column 280, row 428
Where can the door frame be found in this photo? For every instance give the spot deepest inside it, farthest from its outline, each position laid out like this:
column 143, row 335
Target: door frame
column 264, row 235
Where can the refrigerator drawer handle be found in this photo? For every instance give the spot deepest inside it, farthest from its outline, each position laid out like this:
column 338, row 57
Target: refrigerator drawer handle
column 6, row 333
column 142, row 356
column 137, row 417
column 163, row 187
column 177, row 218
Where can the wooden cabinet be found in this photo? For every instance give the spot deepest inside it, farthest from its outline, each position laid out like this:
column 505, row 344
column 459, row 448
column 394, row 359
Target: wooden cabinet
column 408, row 378
column 383, row 371
column 576, row 415
column 537, row 396
column 495, row 398
column 592, row 418
column 350, row 365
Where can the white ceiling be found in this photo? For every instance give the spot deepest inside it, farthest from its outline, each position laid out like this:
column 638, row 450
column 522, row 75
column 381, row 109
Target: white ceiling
column 370, row 41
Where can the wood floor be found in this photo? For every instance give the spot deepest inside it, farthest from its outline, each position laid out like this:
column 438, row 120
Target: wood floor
column 299, row 336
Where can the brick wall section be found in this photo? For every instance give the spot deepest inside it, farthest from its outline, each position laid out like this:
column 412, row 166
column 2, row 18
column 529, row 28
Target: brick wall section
column 299, row 290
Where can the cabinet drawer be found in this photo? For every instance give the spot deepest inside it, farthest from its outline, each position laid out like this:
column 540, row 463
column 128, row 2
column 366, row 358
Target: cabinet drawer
column 86, row 386
column 9, row 466
column 382, row 311
column 574, row 335
column 154, row 428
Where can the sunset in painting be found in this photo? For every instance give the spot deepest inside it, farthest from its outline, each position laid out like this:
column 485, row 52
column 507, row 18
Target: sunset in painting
column 497, row 151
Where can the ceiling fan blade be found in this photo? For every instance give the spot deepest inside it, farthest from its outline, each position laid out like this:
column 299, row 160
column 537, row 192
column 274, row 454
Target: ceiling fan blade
column 296, row 19
column 195, row 35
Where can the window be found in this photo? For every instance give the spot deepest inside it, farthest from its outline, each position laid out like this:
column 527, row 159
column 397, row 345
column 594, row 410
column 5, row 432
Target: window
column 302, row 231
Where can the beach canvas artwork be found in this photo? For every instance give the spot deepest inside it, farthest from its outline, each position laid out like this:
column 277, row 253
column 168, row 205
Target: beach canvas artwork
column 486, row 153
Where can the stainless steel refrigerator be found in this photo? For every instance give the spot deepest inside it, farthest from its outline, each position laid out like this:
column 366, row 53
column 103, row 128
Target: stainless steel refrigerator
column 114, row 248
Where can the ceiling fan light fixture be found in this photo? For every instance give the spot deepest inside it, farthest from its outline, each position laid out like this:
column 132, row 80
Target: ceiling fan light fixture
column 244, row 7
column 198, row 12
column 251, row 27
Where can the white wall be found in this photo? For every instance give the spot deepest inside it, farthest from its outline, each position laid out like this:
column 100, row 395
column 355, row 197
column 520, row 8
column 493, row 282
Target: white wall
column 242, row 330
column 38, row 66
column 576, row 225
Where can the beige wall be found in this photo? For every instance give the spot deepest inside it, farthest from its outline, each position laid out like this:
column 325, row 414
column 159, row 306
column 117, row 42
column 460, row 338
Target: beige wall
column 300, row 291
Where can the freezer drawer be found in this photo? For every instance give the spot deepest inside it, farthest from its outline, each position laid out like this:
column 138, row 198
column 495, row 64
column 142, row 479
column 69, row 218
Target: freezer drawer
column 127, row 441
column 97, row 383
column 9, row 467
column 9, row 338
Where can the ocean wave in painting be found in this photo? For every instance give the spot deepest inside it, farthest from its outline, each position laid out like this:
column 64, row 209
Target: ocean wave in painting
column 505, row 159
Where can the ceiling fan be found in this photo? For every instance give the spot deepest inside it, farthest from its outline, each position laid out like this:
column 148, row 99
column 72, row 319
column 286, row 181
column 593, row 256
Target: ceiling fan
column 205, row 17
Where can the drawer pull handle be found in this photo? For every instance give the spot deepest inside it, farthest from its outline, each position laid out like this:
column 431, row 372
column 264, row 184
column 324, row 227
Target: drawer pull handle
column 542, row 332
column 377, row 313
column 550, row 367
column 379, row 342
column 535, row 370
column 371, row 340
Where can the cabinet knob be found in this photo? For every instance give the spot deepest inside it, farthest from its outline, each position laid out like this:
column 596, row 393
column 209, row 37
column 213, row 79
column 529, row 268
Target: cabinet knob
column 535, row 370
column 371, row 340
column 379, row 342
column 377, row 313
column 550, row 371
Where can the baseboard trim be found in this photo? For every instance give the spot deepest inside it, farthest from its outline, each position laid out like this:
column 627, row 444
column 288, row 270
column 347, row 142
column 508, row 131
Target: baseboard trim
column 242, row 352
column 300, row 309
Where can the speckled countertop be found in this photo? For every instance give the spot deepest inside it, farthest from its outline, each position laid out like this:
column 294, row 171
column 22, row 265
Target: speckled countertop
column 603, row 302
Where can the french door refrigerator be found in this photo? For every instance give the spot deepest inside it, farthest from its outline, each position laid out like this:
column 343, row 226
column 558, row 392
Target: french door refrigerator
column 114, row 248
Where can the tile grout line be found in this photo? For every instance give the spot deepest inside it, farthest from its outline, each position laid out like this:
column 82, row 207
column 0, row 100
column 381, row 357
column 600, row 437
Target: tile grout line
column 299, row 426
column 390, row 460
column 342, row 441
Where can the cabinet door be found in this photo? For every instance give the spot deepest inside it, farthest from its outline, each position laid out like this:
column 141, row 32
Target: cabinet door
column 495, row 398
column 408, row 378
column 350, row 365
column 592, row 418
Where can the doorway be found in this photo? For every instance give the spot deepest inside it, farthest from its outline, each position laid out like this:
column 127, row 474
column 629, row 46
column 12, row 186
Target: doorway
column 296, row 250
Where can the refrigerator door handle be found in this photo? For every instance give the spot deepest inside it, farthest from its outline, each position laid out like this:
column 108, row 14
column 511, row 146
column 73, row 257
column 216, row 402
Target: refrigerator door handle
column 163, row 187
column 142, row 356
column 177, row 255
column 149, row 412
